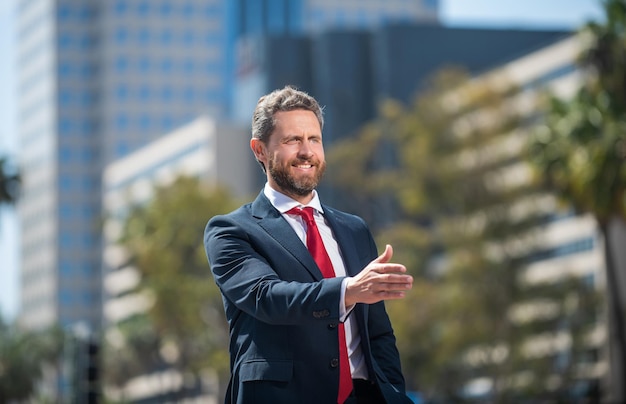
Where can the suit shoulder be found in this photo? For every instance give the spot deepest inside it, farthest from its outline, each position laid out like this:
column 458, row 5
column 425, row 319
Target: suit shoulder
column 345, row 216
column 236, row 215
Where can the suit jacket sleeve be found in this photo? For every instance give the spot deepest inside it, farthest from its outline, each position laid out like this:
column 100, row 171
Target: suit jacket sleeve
column 258, row 276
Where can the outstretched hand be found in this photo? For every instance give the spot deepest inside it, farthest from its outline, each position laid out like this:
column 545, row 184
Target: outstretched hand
column 379, row 280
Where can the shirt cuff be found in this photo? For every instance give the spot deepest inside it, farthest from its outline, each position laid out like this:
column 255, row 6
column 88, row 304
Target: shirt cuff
column 344, row 311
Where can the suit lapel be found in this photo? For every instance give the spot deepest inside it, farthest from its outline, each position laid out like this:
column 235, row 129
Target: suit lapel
column 270, row 219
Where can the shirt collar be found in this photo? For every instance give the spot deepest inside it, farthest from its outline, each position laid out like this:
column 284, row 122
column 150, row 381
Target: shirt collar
column 284, row 203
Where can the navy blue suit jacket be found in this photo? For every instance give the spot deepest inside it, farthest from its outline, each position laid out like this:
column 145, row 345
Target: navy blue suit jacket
column 283, row 314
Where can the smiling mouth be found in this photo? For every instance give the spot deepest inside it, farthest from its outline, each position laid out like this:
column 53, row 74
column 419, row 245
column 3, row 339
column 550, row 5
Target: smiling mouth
column 303, row 164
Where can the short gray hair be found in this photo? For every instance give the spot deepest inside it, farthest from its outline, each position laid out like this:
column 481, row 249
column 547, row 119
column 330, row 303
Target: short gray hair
column 287, row 98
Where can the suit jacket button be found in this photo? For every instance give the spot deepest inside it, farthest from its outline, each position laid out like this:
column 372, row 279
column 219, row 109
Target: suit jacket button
column 334, row 363
column 332, row 326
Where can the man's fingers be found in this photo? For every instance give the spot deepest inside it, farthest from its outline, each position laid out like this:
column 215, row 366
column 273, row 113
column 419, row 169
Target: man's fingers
column 397, row 282
column 385, row 256
column 390, row 269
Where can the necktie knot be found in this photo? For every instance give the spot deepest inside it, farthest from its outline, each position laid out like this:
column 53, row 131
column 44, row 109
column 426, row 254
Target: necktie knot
column 306, row 213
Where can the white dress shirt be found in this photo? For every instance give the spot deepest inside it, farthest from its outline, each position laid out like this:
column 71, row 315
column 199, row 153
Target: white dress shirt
column 353, row 339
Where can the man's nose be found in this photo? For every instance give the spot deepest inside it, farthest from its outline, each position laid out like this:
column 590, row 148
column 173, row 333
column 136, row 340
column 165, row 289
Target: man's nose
column 305, row 149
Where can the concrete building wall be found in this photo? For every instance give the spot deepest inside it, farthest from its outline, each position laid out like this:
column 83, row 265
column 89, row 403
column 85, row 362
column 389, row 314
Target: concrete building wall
column 38, row 142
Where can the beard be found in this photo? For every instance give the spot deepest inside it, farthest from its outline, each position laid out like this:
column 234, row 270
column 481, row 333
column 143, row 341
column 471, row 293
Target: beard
column 291, row 185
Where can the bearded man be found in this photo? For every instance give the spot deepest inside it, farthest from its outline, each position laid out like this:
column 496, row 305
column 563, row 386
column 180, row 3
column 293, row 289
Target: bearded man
column 303, row 284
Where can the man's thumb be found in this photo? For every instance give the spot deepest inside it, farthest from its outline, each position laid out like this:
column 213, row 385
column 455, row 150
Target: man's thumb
column 386, row 255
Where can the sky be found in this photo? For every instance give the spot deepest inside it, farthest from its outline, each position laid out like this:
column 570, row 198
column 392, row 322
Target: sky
column 568, row 14
column 520, row 14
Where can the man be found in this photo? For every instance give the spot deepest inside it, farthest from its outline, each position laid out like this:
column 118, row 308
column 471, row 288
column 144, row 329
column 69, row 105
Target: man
column 303, row 295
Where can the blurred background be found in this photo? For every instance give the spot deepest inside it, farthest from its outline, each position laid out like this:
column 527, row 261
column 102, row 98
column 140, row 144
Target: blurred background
column 484, row 139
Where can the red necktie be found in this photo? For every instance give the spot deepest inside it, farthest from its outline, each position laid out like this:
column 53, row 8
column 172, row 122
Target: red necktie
column 316, row 247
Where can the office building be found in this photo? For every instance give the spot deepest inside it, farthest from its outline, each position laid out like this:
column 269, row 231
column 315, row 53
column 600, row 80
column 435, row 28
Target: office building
column 99, row 80
column 570, row 245
column 350, row 71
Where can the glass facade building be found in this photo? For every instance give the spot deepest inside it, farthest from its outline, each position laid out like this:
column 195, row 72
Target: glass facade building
column 98, row 80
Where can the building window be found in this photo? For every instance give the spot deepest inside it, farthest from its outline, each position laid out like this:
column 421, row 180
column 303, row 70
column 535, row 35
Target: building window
column 121, row 64
column 144, row 64
column 166, row 37
column 574, row 247
column 145, row 93
column 121, row 35
column 65, row 98
column 166, row 66
column 189, row 66
column 189, row 95
column 121, row 92
column 145, row 122
column 188, row 38
column 167, row 122
column 66, row 212
column 144, row 8
column 121, row 7
column 66, row 126
column 166, row 9
column 121, row 148
column 67, row 240
column 65, row 69
column 189, row 10
column 121, row 122
column 144, row 36
column 167, row 94
column 65, row 154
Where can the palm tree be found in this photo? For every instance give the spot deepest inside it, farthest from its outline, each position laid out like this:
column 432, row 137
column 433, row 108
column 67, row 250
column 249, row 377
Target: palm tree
column 22, row 358
column 581, row 151
column 9, row 183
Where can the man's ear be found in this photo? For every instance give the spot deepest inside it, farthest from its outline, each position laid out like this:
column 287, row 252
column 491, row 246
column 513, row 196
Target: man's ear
column 258, row 148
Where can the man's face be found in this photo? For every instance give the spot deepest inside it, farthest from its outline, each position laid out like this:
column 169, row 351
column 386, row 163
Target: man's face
column 294, row 154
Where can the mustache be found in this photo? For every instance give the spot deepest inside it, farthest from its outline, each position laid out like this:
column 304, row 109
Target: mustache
column 311, row 161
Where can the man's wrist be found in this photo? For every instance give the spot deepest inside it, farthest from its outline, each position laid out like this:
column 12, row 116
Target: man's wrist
column 344, row 307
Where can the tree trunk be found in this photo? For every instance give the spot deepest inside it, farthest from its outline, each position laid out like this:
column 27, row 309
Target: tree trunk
column 615, row 255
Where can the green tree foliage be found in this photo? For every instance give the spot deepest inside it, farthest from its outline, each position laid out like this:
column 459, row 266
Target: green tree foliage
column 467, row 223
column 580, row 152
column 185, row 327
column 23, row 355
